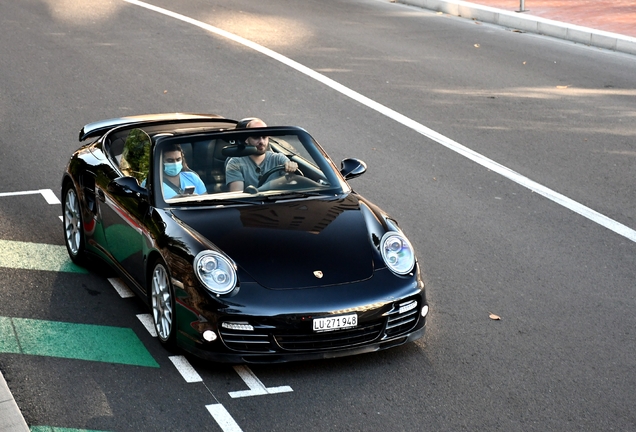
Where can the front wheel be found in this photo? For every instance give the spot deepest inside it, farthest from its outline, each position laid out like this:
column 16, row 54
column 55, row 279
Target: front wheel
column 162, row 304
column 73, row 226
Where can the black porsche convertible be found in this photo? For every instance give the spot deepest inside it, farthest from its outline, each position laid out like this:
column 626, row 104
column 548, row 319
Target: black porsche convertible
column 297, row 266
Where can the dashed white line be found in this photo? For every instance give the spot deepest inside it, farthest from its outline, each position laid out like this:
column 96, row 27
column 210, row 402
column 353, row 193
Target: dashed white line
column 185, row 369
column 48, row 195
column 558, row 198
column 223, row 418
column 146, row 320
column 257, row 388
column 121, row 288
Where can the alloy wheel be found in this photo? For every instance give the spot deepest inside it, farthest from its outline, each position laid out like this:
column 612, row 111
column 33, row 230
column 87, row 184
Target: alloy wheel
column 162, row 304
column 72, row 222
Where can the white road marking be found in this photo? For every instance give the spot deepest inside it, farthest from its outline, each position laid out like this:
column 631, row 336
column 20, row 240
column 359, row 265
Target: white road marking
column 121, row 288
column 185, row 369
column 257, row 388
column 48, row 195
column 558, row 198
column 223, row 418
column 146, row 320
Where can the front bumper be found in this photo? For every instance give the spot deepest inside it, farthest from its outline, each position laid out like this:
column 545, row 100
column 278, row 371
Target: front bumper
column 287, row 338
column 283, row 357
column 272, row 326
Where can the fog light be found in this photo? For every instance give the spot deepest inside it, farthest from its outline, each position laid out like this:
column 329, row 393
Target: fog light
column 209, row 335
column 425, row 310
column 405, row 307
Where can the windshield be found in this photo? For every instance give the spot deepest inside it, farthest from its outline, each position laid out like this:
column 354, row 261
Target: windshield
column 243, row 166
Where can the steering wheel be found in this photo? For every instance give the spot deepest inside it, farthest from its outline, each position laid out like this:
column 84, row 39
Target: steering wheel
column 267, row 174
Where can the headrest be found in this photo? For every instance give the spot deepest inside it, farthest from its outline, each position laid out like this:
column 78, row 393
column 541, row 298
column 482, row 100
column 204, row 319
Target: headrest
column 242, row 124
column 237, row 150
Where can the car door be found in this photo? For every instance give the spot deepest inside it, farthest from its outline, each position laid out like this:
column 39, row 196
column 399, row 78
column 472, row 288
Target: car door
column 123, row 211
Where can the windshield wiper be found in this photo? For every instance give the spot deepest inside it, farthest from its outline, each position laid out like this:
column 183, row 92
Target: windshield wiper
column 290, row 195
column 253, row 200
column 220, row 202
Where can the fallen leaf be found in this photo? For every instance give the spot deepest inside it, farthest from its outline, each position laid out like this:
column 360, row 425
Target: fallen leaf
column 494, row 317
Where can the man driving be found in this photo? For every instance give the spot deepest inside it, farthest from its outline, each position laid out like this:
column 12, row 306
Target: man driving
column 244, row 171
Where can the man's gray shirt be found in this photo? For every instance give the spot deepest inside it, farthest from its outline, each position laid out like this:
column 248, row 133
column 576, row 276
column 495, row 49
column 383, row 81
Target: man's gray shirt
column 244, row 169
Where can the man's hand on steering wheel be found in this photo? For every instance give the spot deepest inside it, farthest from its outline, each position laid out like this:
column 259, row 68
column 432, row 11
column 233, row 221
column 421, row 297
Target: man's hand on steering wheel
column 291, row 167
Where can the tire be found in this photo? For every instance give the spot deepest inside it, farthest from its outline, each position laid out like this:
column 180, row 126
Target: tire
column 162, row 305
column 73, row 226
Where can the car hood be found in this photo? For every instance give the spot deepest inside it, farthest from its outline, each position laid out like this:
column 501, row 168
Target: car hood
column 298, row 244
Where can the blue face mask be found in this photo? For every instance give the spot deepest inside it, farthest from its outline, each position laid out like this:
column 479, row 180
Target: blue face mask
column 172, row 169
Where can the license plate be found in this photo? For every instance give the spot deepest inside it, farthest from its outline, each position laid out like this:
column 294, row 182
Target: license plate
column 335, row 323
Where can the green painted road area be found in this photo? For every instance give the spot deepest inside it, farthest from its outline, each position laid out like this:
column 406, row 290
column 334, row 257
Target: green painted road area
column 73, row 341
column 36, row 256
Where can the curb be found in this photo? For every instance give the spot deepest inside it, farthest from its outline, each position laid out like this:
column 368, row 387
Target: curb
column 11, row 419
column 532, row 24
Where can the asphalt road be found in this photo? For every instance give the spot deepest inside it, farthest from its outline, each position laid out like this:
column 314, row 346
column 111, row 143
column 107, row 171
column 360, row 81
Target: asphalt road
column 562, row 355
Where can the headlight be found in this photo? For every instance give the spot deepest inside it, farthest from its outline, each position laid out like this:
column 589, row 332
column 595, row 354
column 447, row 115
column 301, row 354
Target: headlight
column 397, row 252
column 216, row 272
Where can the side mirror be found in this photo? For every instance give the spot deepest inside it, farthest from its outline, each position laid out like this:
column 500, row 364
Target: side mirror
column 127, row 186
column 351, row 168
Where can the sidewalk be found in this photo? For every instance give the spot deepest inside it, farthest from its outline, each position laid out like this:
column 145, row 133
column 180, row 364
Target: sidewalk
column 615, row 16
column 608, row 24
column 11, row 419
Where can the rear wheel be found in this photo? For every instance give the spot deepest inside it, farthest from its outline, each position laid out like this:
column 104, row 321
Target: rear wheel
column 73, row 226
column 162, row 304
